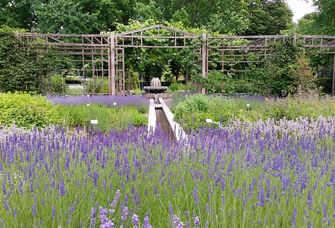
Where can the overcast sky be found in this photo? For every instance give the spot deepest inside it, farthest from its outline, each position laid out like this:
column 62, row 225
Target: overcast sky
column 300, row 8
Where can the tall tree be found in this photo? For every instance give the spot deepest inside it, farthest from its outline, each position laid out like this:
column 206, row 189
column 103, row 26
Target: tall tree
column 64, row 16
column 326, row 16
column 307, row 25
column 268, row 17
column 17, row 13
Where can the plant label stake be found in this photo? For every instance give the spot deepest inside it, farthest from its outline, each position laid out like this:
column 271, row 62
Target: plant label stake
column 94, row 122
column 209, row 121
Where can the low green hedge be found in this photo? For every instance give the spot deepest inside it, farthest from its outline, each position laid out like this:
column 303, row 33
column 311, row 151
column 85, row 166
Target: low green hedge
column 108, row 118
column 29, row 111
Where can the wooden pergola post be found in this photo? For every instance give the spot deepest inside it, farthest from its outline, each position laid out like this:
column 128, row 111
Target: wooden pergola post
column 113, row 72
column 204, row 58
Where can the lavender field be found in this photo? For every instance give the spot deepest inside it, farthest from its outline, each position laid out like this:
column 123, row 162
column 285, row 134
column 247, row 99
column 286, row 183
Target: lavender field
column 262, row 174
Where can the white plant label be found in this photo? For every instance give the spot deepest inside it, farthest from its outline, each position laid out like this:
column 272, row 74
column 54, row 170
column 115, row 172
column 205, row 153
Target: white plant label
column 209, row 121
column 94, row 121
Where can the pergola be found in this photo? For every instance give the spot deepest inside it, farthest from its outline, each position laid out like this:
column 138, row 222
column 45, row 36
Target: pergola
column 103, row 55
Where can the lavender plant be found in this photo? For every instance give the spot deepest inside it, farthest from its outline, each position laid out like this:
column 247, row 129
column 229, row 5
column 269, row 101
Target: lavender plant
column 248, row 174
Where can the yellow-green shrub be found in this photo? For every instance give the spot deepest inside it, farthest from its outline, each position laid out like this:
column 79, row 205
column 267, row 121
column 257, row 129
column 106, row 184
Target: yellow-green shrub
column 26, row 111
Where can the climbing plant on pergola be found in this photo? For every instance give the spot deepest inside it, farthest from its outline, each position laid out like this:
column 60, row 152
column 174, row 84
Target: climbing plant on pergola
column 103, row 55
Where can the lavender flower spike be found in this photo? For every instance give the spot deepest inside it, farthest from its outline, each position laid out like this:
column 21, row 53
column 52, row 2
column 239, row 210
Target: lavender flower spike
column 124, row 214
column 135, row 220
column 147, row 222
column 115, row 201
column 196, row 221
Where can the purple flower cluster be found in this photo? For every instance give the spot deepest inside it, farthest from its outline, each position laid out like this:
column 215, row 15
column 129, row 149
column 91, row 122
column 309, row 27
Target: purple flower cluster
column 246, row 174
column 106, row 100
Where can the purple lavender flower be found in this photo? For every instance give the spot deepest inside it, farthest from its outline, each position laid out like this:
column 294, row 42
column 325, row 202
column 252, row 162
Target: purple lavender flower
column 309, row 200
column 180, row 225
column 146, row 223
column 230, row 167
column 4, row 186
column 103, row 212
column 92, row 219
column 171, row 212
column 33, row 210
column 108, row 224
column 115, row 201
column 261, row 197
column 195, row 195
column 124, row 214
column 135, row 220
column 53, row 212
column 196, row 221
column 324, row 210
column 106, row 100
column 176, row 220
column 61, row 187
column 95, row 179
column 5, row 205
column 294, row 216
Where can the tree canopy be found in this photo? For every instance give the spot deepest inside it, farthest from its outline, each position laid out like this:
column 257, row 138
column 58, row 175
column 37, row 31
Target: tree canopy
column 94, row 16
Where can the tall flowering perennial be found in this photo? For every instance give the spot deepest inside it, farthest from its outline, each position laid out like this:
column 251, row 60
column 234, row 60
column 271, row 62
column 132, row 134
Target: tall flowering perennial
column 61, row 176
column 135, row 221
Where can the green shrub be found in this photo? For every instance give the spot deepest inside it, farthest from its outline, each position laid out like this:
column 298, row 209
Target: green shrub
column 194, row 110
column 23, row 69
column 75, row 91
column 98, row 86
column 177, row 87
column 58, row 85
column 108, row 118
column 26, row 111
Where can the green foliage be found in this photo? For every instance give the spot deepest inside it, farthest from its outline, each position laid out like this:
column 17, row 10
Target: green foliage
column 268, row 17
column 224, row 16
column 194, row 110
column 278, row 67
column 307, row 25
column 304, row 75
column 320, row 22
column 178, row 87
column 325, row 18
column 63, row 16
column 167, row 63
column 17, row 14
column 108, row 118
column 58, row 85
column 228, row 17
column 26, row 111
column 218, row 82
column 167, row 75
column 132, row 80
column 23, row 69
column 295, row 107
column 146, row 11
column 99, row 85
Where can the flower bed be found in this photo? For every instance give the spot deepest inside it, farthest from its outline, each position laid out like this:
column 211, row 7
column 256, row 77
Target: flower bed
column 259, row 174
